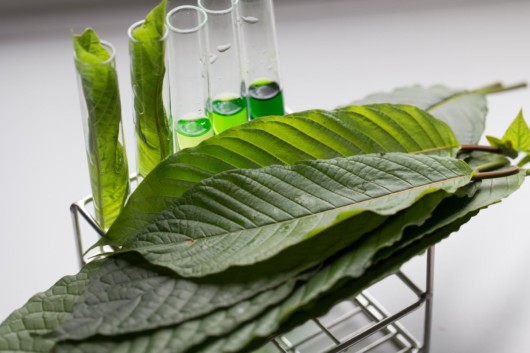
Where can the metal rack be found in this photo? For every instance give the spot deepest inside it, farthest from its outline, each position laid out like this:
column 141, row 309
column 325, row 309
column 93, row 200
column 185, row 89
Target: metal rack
column 359, row 324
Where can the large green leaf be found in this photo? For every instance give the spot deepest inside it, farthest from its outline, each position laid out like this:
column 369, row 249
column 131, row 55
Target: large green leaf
column 147, row 76
column 179, row 338
column 341, row 278
column 465, row 111
column 134, row 287
column 188, row 333
column 242, row 217
column 404, row 181
column 313, row 134
column 128, row 295
column 22, row 331
column 331, row 284
column 107, row 160
column 346, row 276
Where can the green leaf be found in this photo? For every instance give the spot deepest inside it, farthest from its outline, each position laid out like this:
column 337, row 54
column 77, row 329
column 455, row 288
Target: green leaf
column 516, row 138
column 304, row 304
column 242, row 217
column 341, row 279
column 181, row 337
column 518, row 134
column 464, row 111
column 129, row 295
column 315, row 134
column 22, row 331
column 107, row 160
column 187, row 334
column 153, row 27
column 147, row 48
column 489, row 192
column 505, row 146
column 136, row 287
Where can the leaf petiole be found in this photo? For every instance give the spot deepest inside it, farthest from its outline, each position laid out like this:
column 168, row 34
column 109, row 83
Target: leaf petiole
column 498, row 87
column 495, row 174
column 486, row 167
column 482, row 148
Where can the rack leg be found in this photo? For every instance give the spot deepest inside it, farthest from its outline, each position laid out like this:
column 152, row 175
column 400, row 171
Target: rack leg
column 428, row 301
column 74, row 210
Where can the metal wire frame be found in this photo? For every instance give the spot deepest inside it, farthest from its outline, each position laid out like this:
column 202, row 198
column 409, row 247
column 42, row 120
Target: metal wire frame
column 382, row 321
column 80, row 208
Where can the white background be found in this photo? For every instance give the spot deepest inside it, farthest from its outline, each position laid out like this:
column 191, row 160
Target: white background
column 331, row 52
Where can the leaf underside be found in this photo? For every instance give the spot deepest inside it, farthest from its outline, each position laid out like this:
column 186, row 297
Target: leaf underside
column 346, row 275
column 323, row 195
column 314, row 134
column 242, row 217
column 464, row 111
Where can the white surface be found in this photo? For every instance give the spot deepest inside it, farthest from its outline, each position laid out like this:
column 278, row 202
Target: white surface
column 331, row 52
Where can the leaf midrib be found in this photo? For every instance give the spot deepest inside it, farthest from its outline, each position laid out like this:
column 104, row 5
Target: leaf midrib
column 447, row 99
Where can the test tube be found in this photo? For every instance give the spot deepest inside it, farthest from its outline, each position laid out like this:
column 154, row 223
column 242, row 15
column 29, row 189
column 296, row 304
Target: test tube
column 258, row 37
column 102, row 126
column 188, row 76
column 227, row 87
column 152, row 130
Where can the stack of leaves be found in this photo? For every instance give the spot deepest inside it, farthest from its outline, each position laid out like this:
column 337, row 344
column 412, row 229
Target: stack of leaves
column 228, row 243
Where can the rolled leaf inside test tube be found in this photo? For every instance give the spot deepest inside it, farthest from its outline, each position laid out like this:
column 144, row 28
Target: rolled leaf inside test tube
column 258, row 37
column 147, row 47
column 227, row 87
column 101, row 115
column 188, row 76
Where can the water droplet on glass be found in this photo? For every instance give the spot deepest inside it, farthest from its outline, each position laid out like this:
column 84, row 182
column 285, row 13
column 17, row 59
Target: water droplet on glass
column 213, row 58
column 223, row 47
column 269, row 68
column 250, row 19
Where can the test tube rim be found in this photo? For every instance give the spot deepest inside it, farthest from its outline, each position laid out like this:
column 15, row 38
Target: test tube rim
column 187, row 30
column 110, row 49
column 217, row 12
column 139, row 23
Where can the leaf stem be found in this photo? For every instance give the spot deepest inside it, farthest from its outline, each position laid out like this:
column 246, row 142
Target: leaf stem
column 490, row 166
column 495, row 174
column 483, row 148
column 498, row 87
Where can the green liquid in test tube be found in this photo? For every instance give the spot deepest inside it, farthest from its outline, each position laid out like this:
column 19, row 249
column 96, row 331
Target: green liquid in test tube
column 192, row 130
column 265, row 98
column 228, row 111
column 188, row 76
column 257, row 32
column 228, row 105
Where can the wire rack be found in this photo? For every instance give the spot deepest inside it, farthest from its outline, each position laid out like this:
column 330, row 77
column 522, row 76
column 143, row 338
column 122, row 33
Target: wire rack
column 358, row 325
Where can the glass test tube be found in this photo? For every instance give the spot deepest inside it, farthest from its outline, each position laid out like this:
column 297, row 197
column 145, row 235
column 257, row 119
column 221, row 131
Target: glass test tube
column 153, row 135
column 104, row 141
column 227, row 87
column 259, row 47
column 188, row 76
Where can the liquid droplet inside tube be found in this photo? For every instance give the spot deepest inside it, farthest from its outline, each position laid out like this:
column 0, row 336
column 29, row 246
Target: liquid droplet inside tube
column 250, row 19
column 213, row 58
column 224, row 47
